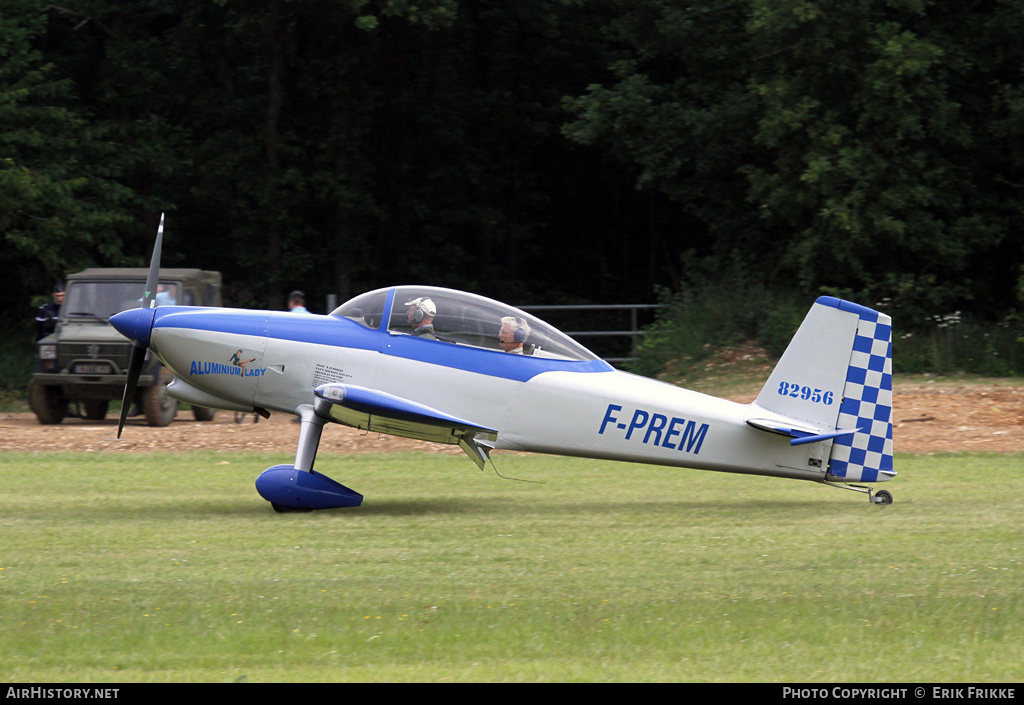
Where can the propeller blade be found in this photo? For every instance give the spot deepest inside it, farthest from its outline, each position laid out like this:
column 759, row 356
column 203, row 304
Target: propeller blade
column 138, row 353
column 153, row 278
column 138, row 356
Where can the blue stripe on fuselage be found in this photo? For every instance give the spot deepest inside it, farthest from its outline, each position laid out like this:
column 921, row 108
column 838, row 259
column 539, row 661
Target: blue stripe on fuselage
column 281, row 325
column 345, row 333
column 495, row 363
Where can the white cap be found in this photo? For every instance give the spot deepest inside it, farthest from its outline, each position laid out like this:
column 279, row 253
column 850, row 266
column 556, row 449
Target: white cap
column 423, row 304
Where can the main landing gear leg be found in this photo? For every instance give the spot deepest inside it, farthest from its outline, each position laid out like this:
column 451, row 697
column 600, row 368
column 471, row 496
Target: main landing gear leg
column 309, row 438
column 298, row 488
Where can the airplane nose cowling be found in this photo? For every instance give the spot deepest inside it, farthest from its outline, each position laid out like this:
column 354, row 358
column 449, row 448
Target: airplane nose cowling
column 135, row 324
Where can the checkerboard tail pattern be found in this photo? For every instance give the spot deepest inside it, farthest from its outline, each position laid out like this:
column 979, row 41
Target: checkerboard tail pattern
column 867, row 404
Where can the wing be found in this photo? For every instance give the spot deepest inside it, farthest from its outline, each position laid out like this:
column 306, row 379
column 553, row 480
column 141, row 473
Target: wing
column 373, row 410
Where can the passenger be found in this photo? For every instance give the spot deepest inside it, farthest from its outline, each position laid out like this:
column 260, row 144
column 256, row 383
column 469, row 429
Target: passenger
column 514, row 332
column 420, row 313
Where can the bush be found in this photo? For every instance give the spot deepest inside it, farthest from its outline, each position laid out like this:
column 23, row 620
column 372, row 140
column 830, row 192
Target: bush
column 695, row 323
column 953, row 344
column 17, row 356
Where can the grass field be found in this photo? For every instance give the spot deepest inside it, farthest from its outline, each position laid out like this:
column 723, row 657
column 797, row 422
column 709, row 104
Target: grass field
column 129, row 568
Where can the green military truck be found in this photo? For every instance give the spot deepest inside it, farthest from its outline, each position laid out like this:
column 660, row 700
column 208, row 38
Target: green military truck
column 84, row 362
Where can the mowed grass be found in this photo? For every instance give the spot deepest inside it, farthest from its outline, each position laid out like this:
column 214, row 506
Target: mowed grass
column 169, row 567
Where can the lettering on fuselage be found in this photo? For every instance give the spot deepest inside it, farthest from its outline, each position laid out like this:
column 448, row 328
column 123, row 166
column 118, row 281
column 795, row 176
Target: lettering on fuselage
column 326, row 374
column 236, row 366
column 654, row 429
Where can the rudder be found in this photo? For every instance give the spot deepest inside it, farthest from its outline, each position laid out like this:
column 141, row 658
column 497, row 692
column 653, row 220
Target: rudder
column 866, row 456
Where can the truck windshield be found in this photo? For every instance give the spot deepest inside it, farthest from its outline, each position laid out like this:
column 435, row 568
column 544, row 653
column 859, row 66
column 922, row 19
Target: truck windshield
column 103, row 299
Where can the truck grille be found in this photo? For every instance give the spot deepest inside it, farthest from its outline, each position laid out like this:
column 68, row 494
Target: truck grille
column 112, row 352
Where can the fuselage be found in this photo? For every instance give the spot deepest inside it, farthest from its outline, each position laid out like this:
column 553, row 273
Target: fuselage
column 241, row 359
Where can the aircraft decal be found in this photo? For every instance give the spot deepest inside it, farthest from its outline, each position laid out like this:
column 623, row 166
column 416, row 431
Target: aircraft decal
column 798, row 391
column 237, row 367
column 655, row 429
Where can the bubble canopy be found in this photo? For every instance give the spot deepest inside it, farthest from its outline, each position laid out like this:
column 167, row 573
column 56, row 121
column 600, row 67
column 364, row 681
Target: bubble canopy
column 461, row 318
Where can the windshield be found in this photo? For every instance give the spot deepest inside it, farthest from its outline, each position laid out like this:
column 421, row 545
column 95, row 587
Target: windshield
column 367, row 309
column 460, row 318
column 103, row 299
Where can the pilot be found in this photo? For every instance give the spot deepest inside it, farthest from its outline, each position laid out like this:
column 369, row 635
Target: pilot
column 297, row 302
column 514, row 332
column 48, row 313
column 420, row 313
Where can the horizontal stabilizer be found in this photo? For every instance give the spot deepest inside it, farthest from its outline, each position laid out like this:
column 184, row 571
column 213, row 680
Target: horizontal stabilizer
column 783, row 427
column 821, row 437
column 800, row 435
column 380, row 412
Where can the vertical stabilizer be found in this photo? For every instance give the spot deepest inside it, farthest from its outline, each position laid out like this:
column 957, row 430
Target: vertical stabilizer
column 807, row 383
column 835, row 379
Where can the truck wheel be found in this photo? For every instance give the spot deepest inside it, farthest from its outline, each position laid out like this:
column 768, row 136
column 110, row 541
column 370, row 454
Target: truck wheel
column 47, row 402
column 95, row 409
column 202, row 413
column 157, row 405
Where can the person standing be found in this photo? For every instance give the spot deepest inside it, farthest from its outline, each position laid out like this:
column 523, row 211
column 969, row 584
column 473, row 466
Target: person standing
column 297, row 302
column 48, row 313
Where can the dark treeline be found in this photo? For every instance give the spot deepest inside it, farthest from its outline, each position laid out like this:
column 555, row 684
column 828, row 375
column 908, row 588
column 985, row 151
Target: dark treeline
column 537, row 151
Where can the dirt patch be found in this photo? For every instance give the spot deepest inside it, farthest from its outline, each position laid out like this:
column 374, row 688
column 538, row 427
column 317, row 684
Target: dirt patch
column 278, row 434
column 928, row 417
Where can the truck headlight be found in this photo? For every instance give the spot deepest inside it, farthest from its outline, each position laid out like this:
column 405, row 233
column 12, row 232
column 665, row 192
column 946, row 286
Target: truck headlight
column 47, row 352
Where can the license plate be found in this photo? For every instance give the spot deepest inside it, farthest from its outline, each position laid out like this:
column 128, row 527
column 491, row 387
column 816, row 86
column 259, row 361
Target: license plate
column 91, row 368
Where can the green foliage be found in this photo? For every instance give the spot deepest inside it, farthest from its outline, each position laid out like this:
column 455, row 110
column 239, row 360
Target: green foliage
column 872, row 180
column 537, row 151
column 727, row 312
column 61, row 198
column 719, row 310
column 331, row 147
column 953, row 344
column 17, row 359
column 878, row 141
column 679, row 111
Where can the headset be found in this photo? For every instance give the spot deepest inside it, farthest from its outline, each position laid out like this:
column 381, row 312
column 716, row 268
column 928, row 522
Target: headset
column 520, row 332
column 520, row 329
column 424, row 307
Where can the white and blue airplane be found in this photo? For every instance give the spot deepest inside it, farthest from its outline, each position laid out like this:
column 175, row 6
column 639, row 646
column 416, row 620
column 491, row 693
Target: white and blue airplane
column 452, row 367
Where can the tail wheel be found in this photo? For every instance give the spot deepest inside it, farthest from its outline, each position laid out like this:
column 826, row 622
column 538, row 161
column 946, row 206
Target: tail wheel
column 883, row 497
column 158, row 406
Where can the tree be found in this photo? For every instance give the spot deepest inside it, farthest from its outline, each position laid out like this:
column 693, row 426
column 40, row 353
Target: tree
column 878, row 117
column 62, row 205
column 867, row 149
column 680, row 111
